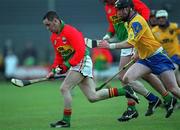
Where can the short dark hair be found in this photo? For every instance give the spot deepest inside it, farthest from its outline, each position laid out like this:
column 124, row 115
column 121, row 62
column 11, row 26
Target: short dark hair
column 50, row 15
column 120, row 4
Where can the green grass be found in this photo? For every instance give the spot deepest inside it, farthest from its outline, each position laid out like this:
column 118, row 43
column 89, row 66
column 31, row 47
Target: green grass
column 34, row 107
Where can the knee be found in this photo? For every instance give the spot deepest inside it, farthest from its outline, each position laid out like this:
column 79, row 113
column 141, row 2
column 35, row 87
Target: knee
column 126, row 80
column 64, row 89
column 172, row 89
column 121, row 77
column 92, row 99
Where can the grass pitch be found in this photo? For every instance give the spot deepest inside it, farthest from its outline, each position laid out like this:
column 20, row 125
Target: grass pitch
column 34, row 107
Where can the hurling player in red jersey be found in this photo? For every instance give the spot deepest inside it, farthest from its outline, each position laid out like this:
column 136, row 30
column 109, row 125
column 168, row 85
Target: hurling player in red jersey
column 72, row 58
column 117, row 32
column 111, row 14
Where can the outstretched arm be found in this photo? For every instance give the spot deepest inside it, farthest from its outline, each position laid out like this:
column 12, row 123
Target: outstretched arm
column 119, row 45
column 91, row 43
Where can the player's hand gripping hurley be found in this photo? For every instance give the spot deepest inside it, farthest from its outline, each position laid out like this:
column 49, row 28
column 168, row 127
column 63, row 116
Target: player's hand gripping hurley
column 108, row 80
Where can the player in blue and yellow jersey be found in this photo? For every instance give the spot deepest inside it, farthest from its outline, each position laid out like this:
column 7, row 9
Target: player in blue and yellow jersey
column 167, row 34
column 149, row 53
column 117, row 32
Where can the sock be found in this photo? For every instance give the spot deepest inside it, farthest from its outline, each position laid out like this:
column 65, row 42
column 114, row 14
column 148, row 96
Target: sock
column 167, row 97
column 151, row 97
column 131, row 105
column 114, row 92
column 67, row 115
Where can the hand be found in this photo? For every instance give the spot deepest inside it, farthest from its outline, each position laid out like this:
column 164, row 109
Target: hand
column 103, row 44
column 135, row 56
column 63, row 68
column 50, row 75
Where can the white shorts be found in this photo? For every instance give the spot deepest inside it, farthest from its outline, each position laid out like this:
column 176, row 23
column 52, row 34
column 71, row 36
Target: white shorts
column 85, row 67
column 127, row 52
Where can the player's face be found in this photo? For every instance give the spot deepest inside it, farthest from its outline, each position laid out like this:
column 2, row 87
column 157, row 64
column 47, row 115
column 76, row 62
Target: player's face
column 123, row 14
column 153, row 20
column 52, row 26
column 162, row 20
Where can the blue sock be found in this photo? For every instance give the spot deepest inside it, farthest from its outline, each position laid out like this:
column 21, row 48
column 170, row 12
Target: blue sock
column 151, row 97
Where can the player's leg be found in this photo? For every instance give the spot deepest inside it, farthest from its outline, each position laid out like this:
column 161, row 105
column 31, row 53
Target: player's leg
column 177, row 73
column 161, row 65
column 71, row 80
column 88, row 88
column 159, row 87
column 131, row 109
column 176, row 61
column 139, row 88
column 169, row 80
column 155, row 83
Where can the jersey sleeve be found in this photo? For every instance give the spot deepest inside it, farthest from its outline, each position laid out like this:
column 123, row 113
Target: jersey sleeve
column 76, row 40
column 142, row 9
column 136, row 31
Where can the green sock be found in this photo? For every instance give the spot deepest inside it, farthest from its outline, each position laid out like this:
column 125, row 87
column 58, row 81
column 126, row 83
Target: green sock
column 167, row 98
column 118, row 91
column 67, row 115
column 114, row 92
column 121, row 91
column 133, row 108
column 131, row 105
column 67, row 118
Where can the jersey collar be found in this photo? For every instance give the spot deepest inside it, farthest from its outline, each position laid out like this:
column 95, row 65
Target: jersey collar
column 61, row 26
column 132, row 16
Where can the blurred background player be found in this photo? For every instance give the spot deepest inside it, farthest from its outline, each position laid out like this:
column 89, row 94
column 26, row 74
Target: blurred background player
column 102, row 60
column 72, row 58
column 153, row 19
column 11, row 61
column 117, row 32
column 167, row 34
column 29, row 54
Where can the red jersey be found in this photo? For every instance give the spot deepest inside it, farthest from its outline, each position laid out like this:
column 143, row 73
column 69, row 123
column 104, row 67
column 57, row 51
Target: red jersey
column 101, row 54
column 69, row 46
column 111, row 13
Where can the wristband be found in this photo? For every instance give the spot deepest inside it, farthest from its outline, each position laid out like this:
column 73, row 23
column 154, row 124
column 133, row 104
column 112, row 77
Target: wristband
column 112, row 46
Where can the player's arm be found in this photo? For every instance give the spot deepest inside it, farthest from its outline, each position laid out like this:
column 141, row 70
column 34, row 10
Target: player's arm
column 55, row 66
column 91, row 43
column 119, row 45
column 135, row 55
column 77, row 42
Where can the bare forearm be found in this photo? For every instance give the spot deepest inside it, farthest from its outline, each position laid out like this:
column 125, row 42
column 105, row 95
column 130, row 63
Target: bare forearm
column 120, row 45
